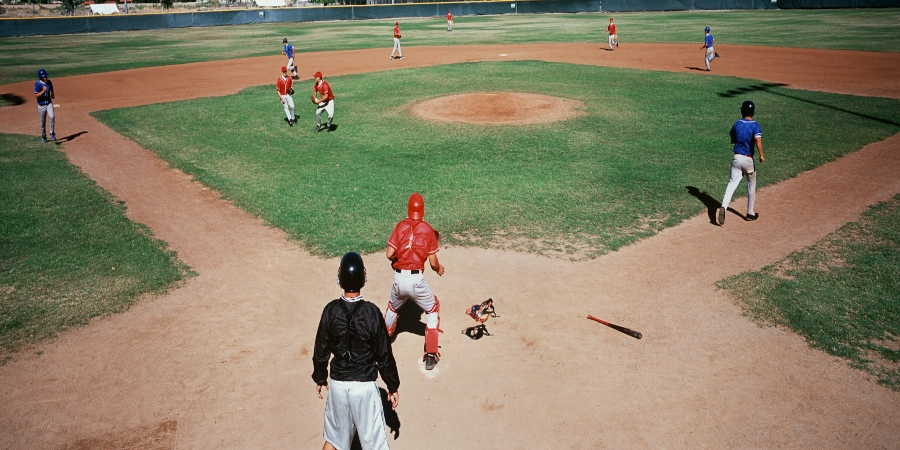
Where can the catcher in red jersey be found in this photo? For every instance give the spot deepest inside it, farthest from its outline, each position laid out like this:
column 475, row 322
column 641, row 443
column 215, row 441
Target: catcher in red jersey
column 412, row 243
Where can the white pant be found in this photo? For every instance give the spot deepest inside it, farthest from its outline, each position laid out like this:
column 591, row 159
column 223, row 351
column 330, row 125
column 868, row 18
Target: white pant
column 46, row 111
column 412, row 287
column 354, row 407
column 449, row 25
column 710, row 55
column 397, row 48
column 328, row 108
column 290, row 65
column 613, row 39
column 288, row 106
column 741, row 165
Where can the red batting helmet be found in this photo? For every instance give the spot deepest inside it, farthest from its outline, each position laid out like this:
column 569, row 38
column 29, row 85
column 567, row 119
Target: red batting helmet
column 416, row 208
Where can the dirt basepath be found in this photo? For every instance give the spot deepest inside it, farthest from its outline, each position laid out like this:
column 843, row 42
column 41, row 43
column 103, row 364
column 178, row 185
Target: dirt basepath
column 224, row 362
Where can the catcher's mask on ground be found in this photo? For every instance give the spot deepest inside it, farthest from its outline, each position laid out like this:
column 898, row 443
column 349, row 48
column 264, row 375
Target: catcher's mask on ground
column 748, row 108
column 415, row 209
column 352, row 272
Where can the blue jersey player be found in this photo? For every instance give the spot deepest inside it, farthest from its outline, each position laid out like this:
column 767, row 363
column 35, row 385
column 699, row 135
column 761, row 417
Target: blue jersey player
column 745, row 135
column 708, row 45
column 289, row 51
column 43, row 92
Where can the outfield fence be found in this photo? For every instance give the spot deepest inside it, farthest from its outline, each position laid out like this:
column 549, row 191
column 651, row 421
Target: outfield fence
column 123, row 22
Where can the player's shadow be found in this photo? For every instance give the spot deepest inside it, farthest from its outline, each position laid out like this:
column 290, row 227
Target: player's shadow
column 13, row 99
column 409, row 319
column 391, row 419
column 711, row 203
column 767, row 87
column 71, row 136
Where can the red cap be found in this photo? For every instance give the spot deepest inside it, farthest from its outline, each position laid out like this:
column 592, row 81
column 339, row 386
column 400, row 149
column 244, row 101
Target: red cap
column 283, row 69
column 396, row 23
column 416, row 208
column 318, row 75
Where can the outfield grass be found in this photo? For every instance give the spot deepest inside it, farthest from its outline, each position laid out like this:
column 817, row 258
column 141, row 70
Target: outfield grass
column 64, row 55
column 67, row 252
column 579, row 188
column 840, row 294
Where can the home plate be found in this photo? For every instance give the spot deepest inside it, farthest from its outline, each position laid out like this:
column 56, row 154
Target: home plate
column 433, row 373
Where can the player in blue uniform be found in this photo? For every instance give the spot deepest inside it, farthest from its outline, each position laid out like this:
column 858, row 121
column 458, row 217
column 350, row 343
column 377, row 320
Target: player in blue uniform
column 44, row 93
column 745, row 134
column 289, row 51
column 708, row 45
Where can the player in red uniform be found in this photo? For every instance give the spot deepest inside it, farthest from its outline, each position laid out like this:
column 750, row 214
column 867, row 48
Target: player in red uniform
column 613, row 37
column 324, row 99
column 449, row 21
column 397, row 41
column 412, row 243
column 283, row 86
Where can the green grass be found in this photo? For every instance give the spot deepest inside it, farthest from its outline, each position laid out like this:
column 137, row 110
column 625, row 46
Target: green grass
column 853, row 29
column 579, row 188
column 840, row 294
column 67, row 252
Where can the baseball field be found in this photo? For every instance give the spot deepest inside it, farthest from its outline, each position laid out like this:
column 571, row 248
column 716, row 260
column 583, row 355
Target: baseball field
column 778, row 332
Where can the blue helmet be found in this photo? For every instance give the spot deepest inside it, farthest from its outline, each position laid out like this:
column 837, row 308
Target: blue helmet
column 42, row 74
column 706, row 29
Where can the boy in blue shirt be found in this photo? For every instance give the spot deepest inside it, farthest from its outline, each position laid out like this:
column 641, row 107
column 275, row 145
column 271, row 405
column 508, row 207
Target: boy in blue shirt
column 745, row 135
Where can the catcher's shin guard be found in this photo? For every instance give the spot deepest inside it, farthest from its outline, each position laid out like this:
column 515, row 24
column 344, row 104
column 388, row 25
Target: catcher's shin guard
column 433, row 328
column 390, row 320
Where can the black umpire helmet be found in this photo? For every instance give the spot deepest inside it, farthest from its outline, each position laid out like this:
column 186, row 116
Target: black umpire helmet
column 352, row 273
column 748, row 108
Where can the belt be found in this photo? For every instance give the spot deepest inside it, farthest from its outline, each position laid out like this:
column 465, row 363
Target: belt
column 412, row 272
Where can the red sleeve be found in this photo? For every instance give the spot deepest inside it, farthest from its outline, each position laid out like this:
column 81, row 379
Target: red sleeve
column 394, row 240
column 432, row 242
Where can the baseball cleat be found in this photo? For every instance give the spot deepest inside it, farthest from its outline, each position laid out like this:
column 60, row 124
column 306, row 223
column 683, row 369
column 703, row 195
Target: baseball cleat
column 717, row 55
column 720, row 216
column 392, row 58
column 52, row 136
column 401, row 56
column 431, row 360
column 752, row 216
column 44, row 138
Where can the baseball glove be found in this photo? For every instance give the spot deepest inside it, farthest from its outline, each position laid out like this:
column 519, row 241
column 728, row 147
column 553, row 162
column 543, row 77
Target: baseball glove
column 312, row 98
column 291, row 91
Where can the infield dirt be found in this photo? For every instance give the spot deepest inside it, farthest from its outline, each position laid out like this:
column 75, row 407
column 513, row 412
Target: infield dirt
column 224, row 362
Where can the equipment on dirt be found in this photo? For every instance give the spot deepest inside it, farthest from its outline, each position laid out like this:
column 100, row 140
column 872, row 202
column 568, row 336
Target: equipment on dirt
column 627, row 331
column 748, row 108
column 415, row 209
column 352, row 272
column 483, row 311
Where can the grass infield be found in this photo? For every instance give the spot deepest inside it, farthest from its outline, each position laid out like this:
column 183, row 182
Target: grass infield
column 840, row 294
column 640, row 159
column 68, row 252
column 848, row 29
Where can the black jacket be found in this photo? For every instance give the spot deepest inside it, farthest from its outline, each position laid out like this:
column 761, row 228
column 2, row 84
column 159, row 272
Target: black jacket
column 369, row 348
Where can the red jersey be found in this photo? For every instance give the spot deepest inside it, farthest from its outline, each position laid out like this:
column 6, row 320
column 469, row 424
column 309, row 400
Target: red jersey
column 284, row 84
column 397, row 31
column 449, row 16
column 325, row 90
column 414, row 241
column 611, row 28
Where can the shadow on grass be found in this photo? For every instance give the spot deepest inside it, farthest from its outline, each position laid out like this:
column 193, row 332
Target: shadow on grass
column 767, row 87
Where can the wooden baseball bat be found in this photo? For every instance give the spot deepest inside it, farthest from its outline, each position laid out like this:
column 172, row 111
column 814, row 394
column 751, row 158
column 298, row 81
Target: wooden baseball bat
column 627, row 331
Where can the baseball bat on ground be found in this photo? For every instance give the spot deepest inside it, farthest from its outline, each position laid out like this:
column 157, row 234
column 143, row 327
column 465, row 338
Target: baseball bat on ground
column 627, row 331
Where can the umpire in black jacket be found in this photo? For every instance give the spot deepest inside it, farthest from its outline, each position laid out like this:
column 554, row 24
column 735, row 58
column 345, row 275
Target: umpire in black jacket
column 353, row 331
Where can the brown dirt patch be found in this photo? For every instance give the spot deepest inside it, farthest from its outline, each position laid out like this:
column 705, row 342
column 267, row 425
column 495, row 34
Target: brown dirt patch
column 498, row 108
column 227, row 355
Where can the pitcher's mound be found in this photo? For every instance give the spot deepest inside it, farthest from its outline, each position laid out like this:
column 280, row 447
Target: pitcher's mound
column 498, row 108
